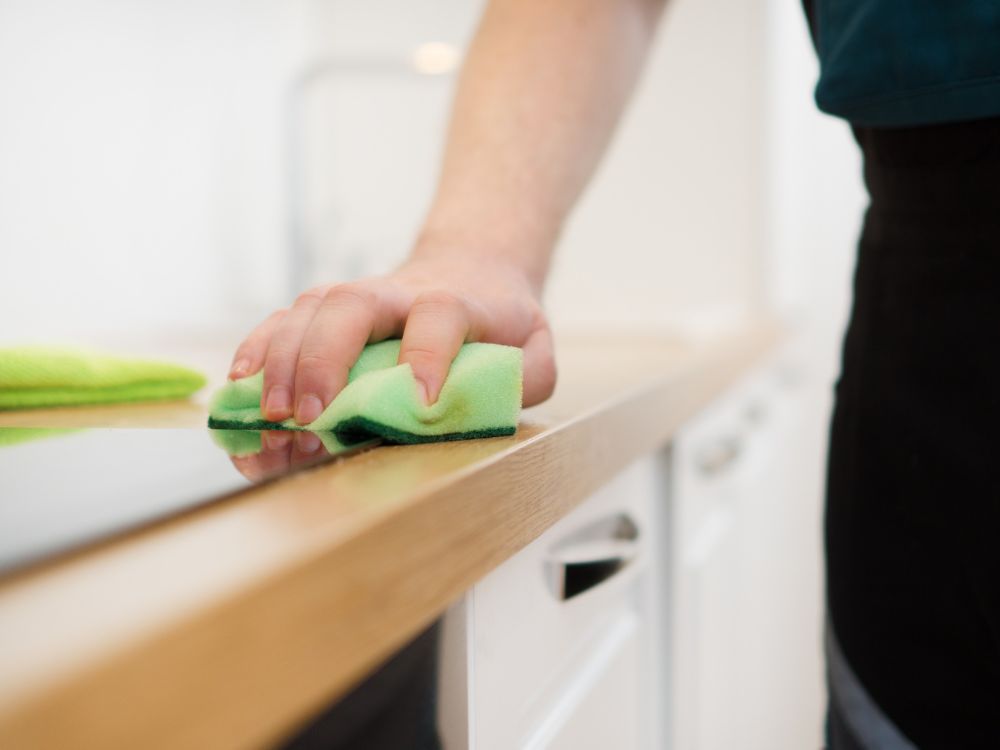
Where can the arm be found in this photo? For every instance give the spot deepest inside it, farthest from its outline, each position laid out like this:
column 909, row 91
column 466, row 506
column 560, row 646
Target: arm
column 539, row 95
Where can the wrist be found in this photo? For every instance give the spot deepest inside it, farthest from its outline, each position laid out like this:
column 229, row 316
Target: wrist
column 526, row 255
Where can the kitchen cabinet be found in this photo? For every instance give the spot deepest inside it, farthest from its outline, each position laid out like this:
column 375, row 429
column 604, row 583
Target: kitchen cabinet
column 705, row 637
column 743, row 566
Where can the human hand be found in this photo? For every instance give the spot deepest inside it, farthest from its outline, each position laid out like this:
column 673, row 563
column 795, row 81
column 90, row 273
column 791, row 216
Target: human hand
column 436, row 302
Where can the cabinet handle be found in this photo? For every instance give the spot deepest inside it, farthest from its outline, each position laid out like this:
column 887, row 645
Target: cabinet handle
column 719, row 456
column 591, row 555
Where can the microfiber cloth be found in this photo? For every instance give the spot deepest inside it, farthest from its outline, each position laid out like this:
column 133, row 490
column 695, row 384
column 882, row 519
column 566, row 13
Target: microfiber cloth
column 481, row 397
column 17, row 435
column 32, row 377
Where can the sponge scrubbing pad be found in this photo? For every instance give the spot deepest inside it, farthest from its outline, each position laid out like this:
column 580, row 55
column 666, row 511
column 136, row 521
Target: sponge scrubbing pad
column 32, row 377
column 480, row 398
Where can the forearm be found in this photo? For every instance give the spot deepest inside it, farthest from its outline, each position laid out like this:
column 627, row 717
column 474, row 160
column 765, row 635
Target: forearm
column 538, row 99
column 542, row 88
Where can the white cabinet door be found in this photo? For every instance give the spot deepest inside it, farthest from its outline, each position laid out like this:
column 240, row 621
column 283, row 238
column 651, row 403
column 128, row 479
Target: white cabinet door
column 743, row 563
column 601, row 708
column 708, row 639
column 561, row 639
column 707, row 656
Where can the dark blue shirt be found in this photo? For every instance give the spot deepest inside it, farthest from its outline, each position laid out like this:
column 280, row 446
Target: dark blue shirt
column 893, row 63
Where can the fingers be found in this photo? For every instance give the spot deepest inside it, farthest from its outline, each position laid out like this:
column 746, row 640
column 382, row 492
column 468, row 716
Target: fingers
column 349, row 316
column 283, row 354
column 280, row 451
column 250, row 354
column 437, row 326
column 271, row 460
column 307, row 351
column 539, row 366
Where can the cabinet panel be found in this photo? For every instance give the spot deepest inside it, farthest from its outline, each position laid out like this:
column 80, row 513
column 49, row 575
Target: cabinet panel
column 743, row 565
column 536, row 658
column 600, row 708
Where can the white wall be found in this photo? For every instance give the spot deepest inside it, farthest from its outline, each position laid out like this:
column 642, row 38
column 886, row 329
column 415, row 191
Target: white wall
column 670, row 233
column 815, row 194
column 146, row 164
column 372, row 129
column 814, row 206
column 141, row 187
column 671, row 230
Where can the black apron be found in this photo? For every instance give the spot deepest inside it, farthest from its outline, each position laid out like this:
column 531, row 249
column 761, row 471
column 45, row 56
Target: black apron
column 913, row 500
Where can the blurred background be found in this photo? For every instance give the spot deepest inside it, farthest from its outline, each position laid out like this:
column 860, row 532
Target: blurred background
column 189, row 166
column 170, row 172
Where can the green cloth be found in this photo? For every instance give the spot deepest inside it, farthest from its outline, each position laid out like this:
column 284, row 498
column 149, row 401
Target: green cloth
column 480, row 398
column 17, row 435
column 32, row 377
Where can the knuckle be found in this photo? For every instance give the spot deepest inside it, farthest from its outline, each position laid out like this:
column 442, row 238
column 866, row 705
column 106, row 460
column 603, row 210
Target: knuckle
column 313, row 362
column 281, row 348
column 314, row 357
column 439, row 299
column 308, row 298
column 351, row 296
column 279, row 359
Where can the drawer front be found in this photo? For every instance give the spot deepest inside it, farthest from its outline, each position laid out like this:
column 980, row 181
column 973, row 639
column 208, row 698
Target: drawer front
column 600, row 709
column 541, row 624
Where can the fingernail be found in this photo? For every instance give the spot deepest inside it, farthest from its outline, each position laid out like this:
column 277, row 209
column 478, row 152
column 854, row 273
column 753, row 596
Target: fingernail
column 308, row 409
column 239, row 369
column 279, row 402
column 307, row 442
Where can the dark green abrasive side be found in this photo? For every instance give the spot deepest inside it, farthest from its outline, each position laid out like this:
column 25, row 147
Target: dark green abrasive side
column 360, row 428
column 233, row 424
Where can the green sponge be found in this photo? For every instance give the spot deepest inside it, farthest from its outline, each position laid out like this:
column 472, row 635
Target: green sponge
column 32, row 377
column 480, row 398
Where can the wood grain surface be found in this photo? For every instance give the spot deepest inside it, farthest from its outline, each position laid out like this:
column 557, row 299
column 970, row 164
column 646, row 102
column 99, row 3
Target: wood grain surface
column 228, row 626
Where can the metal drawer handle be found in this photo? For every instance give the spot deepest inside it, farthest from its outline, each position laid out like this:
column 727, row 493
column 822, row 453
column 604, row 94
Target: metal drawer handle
column 591, row 555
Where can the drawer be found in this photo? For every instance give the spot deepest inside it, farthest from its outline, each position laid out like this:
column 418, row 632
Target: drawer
column 714, row 455
column 541, row 623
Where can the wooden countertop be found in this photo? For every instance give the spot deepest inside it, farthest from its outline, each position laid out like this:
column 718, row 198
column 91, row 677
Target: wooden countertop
column 227, row 626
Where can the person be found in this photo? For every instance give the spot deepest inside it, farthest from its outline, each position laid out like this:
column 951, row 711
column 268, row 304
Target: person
column 913, row 569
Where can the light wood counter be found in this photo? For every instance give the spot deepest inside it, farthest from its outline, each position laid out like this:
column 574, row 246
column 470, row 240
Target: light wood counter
column 229, row 625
